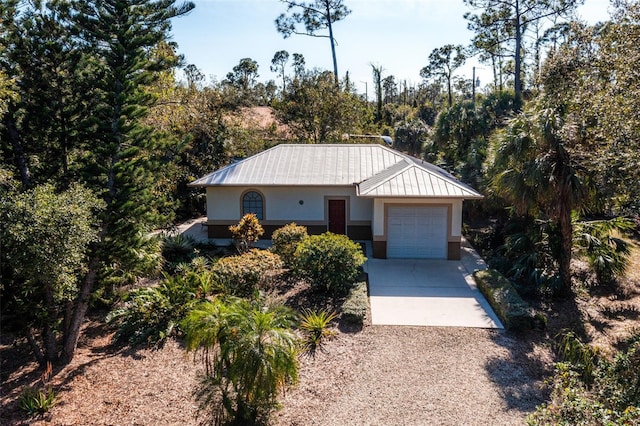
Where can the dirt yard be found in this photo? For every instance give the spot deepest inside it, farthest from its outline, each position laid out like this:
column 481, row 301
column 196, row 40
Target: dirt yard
column 380, row 375
column 374, row 376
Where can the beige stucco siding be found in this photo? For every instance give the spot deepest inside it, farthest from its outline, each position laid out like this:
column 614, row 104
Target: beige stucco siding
column 283, row 203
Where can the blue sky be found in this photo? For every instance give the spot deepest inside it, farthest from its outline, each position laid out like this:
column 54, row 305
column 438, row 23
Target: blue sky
column 395, row 34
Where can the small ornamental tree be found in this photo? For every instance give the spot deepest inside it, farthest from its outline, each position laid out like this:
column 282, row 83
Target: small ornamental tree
column 286, row 240
column 330, row 261
column 46, row 236
column 247, row 231
column 249, row 354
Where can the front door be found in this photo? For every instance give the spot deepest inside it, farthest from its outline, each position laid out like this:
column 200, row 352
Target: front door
column 337, row 216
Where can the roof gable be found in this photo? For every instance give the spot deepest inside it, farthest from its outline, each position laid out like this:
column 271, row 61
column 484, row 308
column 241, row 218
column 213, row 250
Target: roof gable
column 377, row 171
column 408, row 179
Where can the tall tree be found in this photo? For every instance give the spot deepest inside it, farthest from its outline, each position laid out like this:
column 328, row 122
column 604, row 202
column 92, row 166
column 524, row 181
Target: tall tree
column 443, row 62
column 241, row 83
column 489, row 43
column 125, row 154
column 244, row 75
column 298, row 65
column 314, row 16
column 278, row 64
column 576, row 146
column 377, row 84
column 507, row 20
column 38, row 52
column 537, row 174
column 390, row 89
column 592, row 75
column 318, row 111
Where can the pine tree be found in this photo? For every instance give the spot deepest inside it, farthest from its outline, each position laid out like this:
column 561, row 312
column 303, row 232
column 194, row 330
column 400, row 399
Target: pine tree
column 125, row 154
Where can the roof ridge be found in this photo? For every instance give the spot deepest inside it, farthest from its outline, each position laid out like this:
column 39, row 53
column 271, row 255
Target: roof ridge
column 393, row 174
column 368, row 168
column 428, row 167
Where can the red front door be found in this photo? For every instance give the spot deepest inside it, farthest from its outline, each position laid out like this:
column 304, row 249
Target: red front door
column 337, row 216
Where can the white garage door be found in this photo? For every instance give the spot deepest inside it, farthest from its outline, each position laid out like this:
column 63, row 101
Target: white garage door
column 417, row 232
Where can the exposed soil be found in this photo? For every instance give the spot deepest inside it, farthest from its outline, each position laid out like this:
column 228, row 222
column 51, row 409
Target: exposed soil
column 380, row 375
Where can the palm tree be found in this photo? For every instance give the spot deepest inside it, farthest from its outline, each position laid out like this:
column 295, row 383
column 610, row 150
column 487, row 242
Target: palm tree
column 249, row 352
column 536, row 174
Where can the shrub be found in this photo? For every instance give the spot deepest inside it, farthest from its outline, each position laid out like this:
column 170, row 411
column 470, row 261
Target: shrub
column 150, row 315
column 198, row 277
column 35, row 400
column 177, row 248
column 607, row 255
column 354, row 308
column 241, row 275
column 247, row 232
column 613, row 398
column 514, row 312
column 331, row 261
column 315, row 326
column 581, row 356
column 285, row 241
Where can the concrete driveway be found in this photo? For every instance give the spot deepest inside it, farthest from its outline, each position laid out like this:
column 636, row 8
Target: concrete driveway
column 429, row 292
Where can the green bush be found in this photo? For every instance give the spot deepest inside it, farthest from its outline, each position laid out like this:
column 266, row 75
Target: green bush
column 38, row 399
column 607, row 255
column 150, row 315
column 330, row 261
column 354, row 308
column 580, row 355
column 514, row 312
column 177, row 248
column 241, row 275
column 613, row 398
column 285, row 241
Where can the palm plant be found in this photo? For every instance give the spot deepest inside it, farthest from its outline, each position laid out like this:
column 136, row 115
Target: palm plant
column 607, row 255
column 535, row 173
column 530, row 253
column 249, row 352
column 315, row 325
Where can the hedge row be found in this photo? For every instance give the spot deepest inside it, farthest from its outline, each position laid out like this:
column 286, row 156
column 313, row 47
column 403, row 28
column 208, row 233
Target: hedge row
column 354, row 308
column 515, row 313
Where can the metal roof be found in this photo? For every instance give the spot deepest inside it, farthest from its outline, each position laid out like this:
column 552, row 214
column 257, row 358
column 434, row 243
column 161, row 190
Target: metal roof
column 407, row 179
column 377, row 170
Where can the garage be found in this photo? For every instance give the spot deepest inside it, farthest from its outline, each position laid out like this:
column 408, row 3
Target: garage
column 417, row 232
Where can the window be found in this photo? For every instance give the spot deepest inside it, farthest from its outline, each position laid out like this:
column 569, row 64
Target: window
column 252, row 203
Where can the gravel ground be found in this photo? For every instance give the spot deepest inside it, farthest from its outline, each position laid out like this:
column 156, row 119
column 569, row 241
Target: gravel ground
column 417, row 376
column 378, row 376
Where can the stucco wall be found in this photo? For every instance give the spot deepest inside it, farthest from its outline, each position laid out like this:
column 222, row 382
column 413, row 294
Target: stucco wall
column 283, row 203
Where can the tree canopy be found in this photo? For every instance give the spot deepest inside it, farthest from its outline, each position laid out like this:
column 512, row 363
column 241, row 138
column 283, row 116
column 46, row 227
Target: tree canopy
column 313, row 16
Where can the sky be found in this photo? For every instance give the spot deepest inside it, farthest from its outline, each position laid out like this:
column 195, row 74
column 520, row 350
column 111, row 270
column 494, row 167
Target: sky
column 397, row 35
